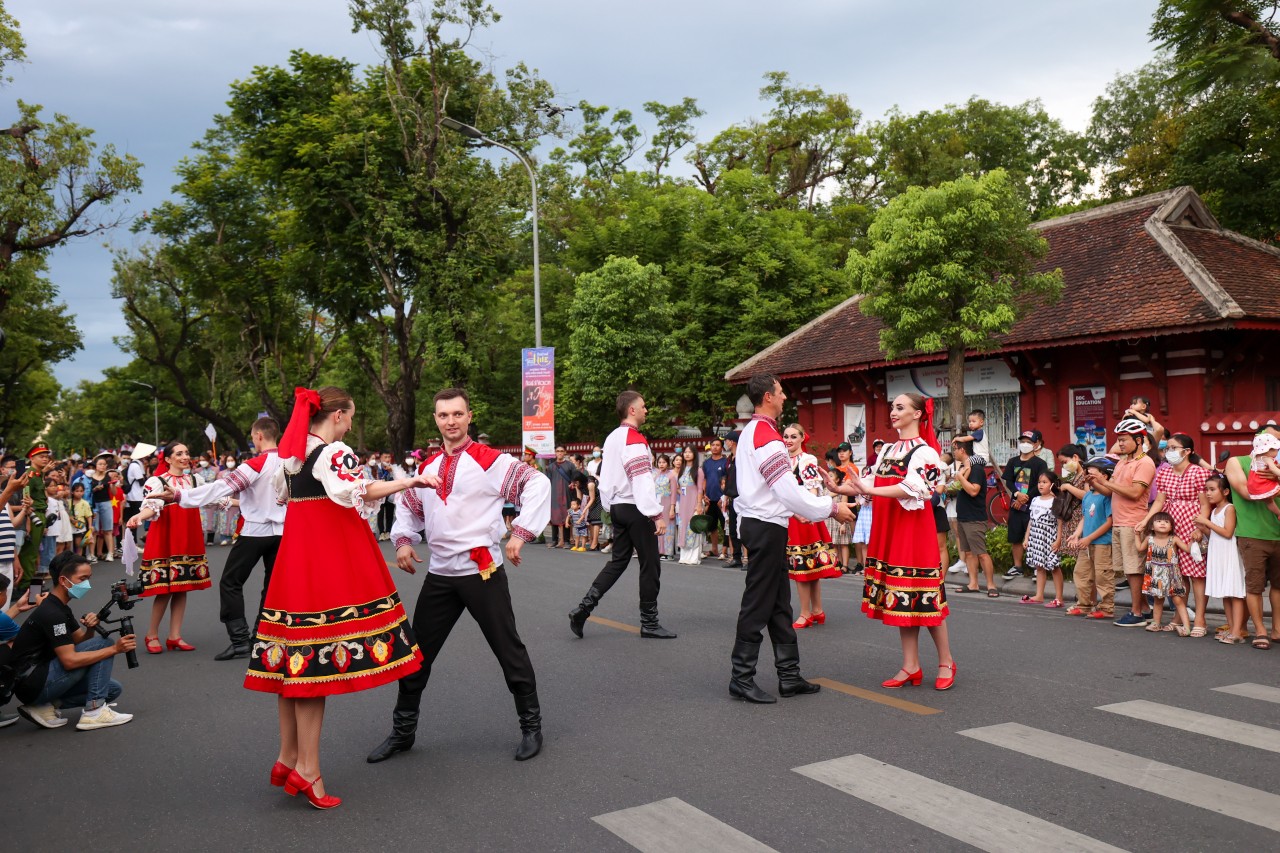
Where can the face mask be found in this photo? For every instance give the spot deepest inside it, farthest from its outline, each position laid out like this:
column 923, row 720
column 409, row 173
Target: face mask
column 78, row 590
column 1068, row 470
column 204, row 463
column 408, row 463
column 1025, row 447
column 230, row 465
column 595, row 454
column 1163, row 444
column 1175, row 456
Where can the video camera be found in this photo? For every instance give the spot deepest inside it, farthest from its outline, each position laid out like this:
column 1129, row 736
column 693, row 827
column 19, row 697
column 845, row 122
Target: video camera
column 124, row 594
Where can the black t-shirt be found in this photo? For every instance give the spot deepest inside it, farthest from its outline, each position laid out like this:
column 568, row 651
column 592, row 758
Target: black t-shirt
column 101, row 491
column 50, row 625
column 973, row 507
column 1021, row 475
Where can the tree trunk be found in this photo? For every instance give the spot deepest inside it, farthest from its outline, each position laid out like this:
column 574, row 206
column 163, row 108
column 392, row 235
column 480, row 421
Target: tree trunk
column 955, row 388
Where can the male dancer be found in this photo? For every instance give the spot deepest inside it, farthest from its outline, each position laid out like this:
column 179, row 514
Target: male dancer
column 628, row 494
column 252, row 483
column 768, row 495
column 461, row 521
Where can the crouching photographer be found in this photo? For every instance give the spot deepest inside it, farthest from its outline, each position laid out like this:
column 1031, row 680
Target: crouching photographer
column 62, row 663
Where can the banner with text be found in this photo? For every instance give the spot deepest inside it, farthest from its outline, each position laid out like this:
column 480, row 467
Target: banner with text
column 1089, row 419
column 538, row 399
column 989, row 376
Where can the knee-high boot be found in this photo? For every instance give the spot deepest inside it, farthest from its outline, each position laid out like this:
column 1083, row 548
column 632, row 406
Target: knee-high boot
column 578, row 616
column 743, row 683
column 404, row 727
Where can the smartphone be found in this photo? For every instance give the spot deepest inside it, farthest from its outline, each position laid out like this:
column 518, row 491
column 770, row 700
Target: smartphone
column 20, row 468
column 34, row 592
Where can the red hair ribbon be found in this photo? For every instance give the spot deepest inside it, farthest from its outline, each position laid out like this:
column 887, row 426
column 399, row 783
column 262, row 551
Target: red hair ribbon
column 306, row 403
column 926, row 426
column 162, row 464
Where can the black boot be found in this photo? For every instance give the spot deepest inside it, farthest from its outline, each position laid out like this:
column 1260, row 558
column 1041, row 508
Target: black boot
column 743, row 683
column 238, row 631
column 786, row 657
column 649, row 627
column 578, row 616
column 404, row 728
column 530, row 726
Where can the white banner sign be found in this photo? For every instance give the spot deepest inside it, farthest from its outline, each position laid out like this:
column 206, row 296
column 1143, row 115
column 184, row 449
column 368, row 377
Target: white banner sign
column 991, row 376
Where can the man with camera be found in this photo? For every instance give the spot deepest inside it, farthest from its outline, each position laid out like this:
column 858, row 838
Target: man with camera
column 61, row 662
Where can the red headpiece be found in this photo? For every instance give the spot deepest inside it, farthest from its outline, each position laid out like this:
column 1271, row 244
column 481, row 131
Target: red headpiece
column 162, row 464
column 926, row 426
column 293, row 445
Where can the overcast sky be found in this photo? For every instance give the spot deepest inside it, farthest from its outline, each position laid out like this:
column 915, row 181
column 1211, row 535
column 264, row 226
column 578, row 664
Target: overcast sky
column 148, row 75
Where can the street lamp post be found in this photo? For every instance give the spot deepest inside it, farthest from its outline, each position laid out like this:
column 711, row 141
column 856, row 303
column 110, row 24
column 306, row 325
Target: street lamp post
column 155, row 407
column 472, row 133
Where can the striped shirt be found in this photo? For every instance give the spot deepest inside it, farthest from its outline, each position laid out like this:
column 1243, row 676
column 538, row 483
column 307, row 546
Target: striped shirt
column 8, row 538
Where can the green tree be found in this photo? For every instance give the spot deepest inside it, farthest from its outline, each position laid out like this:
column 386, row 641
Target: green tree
column 951, row 268
column 1220, row 41
column 12, row 46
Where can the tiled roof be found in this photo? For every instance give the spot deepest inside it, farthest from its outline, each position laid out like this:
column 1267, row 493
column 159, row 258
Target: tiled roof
column 1159, row 261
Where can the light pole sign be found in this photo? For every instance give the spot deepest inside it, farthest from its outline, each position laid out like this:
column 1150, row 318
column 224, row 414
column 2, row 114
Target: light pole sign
column 538, row 399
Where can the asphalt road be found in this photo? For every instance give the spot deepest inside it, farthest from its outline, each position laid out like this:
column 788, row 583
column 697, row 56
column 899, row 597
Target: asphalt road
column 631, row 722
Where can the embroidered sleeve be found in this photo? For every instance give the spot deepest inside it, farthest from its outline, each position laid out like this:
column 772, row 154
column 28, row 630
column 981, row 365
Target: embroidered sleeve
column 338, row 468
column 410, row 523
column 149, row 488
column 528, row 489
column 924, row 472
column 775, row 467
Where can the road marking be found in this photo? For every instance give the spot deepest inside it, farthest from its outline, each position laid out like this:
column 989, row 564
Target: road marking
column 609, row 623
column 1248, row 734
column 959, row 814
column 1252, row 691
column 674, row 826
column 1185, row 786
column 871, row 696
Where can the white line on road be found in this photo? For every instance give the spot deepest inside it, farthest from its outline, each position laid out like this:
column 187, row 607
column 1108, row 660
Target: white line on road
column 959, row 814
column 674, row 826
column 1185, row 786
column 1252, row 691
column 1248, row 734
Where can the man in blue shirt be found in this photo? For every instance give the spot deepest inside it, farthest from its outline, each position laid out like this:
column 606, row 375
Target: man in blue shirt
column 712, row 474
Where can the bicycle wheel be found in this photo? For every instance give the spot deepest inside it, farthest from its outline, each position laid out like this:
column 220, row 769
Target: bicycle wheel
column 997, row 509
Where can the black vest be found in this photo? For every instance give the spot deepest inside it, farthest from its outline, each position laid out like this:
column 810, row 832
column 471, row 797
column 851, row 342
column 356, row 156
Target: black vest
column 303, row 486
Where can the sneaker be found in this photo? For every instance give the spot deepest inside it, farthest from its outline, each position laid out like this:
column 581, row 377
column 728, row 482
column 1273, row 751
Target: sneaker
column 8, row 719
column 957, row 567
column 91, row 558
column 1014, row 572
column 1129, row 620
column 109, row 558
column 103, row 718
column 44, row 716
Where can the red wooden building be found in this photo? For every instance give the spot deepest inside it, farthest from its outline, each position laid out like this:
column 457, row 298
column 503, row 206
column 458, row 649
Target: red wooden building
column 1159, row 301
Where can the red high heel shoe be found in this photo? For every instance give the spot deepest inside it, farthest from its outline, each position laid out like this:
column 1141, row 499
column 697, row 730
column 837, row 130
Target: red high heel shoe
column 945, row 683
column 153, row 645
column 802, row 622
column 913, row 678
column 295, row 784
column 819, row 618
column 280, row 774
column 180, row 645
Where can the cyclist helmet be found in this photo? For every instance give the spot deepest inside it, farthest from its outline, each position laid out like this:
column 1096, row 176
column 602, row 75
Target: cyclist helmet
column 1105, row 464
column 1130, row 426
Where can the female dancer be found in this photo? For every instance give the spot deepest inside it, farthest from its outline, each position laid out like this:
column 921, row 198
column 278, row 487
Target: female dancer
column 173, row 559
column 903, row 575
column 332, row 621
column 809, row 555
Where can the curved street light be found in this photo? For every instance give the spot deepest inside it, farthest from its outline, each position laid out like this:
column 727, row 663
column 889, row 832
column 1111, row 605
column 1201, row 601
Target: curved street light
column 472, row 133
column 155, row 406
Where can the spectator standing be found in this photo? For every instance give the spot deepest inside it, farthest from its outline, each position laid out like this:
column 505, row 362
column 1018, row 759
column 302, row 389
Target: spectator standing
column 1044, row 534
column 1128, row 486
column 11, row 519
column 862, row 526
column 104, row 527
column 81, row 517
column 689, row 490
column 1180, row 492
column 730, row 493
column 1020, row 476
column 1225, row 572
column 203, row 474
column 1258, row 540
column 134, row 476
column 664, row 484
column 1094, row 579
column 712, row 490
column 561, row 473
column 34, row 554
column 971, row 519
column 1071, row 489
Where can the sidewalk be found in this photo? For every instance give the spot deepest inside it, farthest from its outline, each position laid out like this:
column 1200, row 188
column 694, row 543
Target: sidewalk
column 1018, row 587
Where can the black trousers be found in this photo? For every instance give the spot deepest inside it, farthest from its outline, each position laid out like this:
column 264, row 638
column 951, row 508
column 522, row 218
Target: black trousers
column 245, row 554
column 632, row 531
column 386, row 516
column 766, row 599
column 441, row 602
column 131, row 508
column 731, row 529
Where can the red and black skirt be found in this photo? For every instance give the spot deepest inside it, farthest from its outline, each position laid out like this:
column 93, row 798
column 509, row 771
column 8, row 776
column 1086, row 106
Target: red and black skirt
column 174, row 560
column 903, row 584
column 809, row 553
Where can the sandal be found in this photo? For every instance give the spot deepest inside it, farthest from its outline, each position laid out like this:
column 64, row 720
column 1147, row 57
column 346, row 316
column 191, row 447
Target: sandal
column 1027, row 599
column 1155, row 628
column 991, row 593
column 1261, row 643
column 1054, row 604
column 1198, row 632
column 1171, row 627
column 966, row 589
column 1183, row 630
column 1231, row 640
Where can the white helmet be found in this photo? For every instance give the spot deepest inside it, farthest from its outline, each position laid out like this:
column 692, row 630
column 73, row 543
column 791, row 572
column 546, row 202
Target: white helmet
column 1130, row 426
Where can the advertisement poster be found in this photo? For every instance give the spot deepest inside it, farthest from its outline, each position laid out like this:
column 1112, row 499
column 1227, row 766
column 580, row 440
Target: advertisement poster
column 989, row 376
column 1089, row 419
column 855, row 432
column 538, row 399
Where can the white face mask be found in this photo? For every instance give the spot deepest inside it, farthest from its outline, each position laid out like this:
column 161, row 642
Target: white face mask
column 1175, row 456
column 1025, row 447
column 408, row 463
column 204, row 463
column 230, row 465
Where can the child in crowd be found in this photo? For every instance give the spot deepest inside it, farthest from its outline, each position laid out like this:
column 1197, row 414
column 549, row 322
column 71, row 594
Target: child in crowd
column 1262, row 488
column 1095, row 582
column 1162, row 578
column 81, row 515
column 976, row 440
column 1225, row 571
column 577, row 525
column 1044, row 537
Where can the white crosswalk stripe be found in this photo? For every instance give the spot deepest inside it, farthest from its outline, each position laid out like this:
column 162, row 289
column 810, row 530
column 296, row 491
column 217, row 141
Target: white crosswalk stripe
column 1203, row 724
column 1252, row 691
column 674, row 826
column 966, row 817
column 1185, row 786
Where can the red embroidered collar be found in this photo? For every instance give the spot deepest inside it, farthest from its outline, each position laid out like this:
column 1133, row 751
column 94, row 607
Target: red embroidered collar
column 460, row 448
column 770, row 421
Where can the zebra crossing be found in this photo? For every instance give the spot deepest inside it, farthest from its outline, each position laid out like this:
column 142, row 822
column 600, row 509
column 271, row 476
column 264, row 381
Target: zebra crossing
column 671, row 825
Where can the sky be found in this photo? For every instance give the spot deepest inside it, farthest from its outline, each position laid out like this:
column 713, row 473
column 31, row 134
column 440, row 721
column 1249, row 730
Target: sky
column 149, row 75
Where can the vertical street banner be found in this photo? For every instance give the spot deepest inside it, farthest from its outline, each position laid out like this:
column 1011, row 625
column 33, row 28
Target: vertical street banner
column 1089, row 419
column 538, row 399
